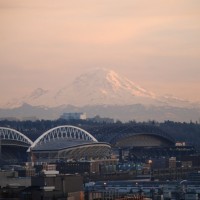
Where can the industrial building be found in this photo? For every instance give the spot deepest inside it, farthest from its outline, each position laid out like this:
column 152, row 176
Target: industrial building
column 73, row 116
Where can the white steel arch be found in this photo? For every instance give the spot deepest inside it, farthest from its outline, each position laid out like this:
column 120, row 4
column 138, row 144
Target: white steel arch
column 11, row 134
column 66, row 131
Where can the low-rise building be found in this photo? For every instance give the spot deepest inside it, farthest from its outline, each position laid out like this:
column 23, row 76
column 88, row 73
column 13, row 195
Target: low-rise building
column 73, row 116
column 52, row 185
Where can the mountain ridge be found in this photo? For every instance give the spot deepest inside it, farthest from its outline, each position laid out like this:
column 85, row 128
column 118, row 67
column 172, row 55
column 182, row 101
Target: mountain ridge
column 102, row 92
column 123, row 113
column 97, row 87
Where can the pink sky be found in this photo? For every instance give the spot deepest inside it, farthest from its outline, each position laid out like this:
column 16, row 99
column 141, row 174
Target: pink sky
column 47, row 43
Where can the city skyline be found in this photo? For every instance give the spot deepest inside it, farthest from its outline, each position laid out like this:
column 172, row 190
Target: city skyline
column 47, row 44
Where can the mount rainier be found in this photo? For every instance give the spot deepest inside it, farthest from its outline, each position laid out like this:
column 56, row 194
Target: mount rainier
column 103, row 92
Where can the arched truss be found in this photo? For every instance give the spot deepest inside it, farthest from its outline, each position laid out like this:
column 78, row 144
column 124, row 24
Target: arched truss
column 70, row 132
column 13, row 135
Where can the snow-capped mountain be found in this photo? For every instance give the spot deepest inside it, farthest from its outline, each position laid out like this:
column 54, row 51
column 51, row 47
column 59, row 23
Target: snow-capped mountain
column 100, row 87
column 101, row 92
column 97, row 87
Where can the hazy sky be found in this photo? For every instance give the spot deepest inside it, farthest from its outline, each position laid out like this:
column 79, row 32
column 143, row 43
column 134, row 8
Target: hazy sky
column 46, row 43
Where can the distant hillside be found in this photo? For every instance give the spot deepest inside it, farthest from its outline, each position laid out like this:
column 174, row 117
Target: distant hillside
column 124, row 113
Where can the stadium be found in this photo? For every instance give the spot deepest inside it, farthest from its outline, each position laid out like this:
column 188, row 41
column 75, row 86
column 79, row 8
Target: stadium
column 66, row 143
column 139, row 143
column 124, row 135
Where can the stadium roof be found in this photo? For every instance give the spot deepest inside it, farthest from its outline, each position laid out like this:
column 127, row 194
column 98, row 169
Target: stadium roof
column 64, row 143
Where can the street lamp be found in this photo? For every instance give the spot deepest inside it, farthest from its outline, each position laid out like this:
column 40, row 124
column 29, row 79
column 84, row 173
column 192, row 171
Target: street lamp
column 150, row 168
